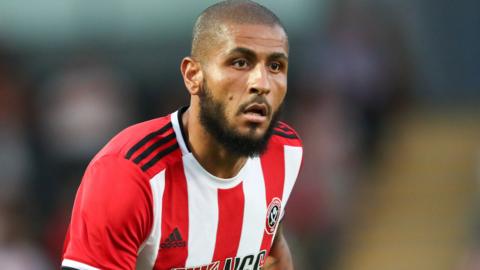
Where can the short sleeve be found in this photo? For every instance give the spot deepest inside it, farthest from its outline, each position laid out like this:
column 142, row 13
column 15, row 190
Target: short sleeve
column 111, row 217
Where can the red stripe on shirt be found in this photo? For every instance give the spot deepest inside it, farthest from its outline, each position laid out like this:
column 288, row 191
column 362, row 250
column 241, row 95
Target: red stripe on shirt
column 231, row 204
column 273, row 167
column 174, row 235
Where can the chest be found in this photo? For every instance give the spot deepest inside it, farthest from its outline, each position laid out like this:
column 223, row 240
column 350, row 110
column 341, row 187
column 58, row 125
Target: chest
column 217, row 225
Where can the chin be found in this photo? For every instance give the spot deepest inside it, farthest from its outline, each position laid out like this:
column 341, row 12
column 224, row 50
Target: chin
column 255, row 133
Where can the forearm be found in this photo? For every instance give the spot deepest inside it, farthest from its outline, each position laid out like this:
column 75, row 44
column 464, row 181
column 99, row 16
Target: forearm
column 280, row 257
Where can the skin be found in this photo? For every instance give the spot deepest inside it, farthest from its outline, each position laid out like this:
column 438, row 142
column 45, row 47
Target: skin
column 280, row 257
column 248, row 60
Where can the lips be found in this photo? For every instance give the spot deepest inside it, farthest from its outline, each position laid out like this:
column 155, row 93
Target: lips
column 256, row 113
column 257, row 108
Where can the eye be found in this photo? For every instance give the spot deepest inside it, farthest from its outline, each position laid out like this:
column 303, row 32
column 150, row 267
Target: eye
column 275, row 66
column 240, row 63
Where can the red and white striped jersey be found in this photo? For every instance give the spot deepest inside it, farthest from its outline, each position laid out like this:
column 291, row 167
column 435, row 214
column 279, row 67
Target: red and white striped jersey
column 146, row 203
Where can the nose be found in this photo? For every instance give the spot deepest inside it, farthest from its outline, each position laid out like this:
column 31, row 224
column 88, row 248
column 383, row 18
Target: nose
column 259, row 80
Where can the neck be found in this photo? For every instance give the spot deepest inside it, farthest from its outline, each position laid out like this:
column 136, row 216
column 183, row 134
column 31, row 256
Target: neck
column 209, row 153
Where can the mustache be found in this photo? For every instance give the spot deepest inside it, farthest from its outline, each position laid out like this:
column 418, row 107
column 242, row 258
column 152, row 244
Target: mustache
column 258, row 100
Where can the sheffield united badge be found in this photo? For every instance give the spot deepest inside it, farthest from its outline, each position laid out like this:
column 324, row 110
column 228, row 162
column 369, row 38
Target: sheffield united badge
column 273, row 215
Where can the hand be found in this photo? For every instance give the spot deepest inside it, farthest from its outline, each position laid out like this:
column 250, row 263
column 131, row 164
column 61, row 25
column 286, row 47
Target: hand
column 279, row 257
column 270, row 264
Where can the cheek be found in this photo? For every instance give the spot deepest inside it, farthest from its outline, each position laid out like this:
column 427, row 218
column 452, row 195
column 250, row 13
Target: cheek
column 280, row 93
column 230, row 105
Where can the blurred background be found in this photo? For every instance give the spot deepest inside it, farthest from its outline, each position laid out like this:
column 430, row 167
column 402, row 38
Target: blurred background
column 384, row 93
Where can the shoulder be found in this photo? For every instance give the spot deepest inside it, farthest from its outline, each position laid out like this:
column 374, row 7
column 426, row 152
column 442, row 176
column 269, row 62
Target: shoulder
column 285, row 146
column 283, row 134
column 148, row 145
column 113, row 194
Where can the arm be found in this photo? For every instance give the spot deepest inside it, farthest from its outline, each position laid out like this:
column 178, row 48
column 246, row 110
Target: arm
column 280, row 257
column 111, row 217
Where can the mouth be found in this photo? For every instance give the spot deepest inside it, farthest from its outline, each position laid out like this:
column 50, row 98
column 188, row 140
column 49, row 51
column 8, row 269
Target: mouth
column 256, row 112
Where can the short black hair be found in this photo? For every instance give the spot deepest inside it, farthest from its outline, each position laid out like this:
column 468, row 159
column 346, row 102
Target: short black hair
column 209, row 22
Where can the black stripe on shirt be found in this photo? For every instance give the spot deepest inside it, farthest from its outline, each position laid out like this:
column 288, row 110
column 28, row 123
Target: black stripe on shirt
column 154, row 146
column 159, row 156
column 285, row 135
column 283, row 127
column 147, row 138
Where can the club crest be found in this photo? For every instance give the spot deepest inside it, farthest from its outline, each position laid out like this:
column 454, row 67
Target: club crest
column 273, row 215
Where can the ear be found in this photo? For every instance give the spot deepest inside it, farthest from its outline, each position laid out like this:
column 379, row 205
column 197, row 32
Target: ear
column 192, row 75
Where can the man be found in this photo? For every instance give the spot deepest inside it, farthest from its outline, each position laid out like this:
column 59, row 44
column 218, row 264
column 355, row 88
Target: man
column 205, row 187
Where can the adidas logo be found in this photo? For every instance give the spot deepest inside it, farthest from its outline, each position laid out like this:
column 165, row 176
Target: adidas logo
column 174, row 240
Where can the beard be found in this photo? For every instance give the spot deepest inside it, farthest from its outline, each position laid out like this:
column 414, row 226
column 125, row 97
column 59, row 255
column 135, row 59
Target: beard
column 213, row 118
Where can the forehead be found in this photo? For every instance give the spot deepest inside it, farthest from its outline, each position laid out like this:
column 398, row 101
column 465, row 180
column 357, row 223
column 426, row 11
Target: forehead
column 258, row 38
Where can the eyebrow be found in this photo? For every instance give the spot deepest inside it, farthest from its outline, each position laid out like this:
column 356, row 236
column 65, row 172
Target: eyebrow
column 251, row 54
column 278, row 56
